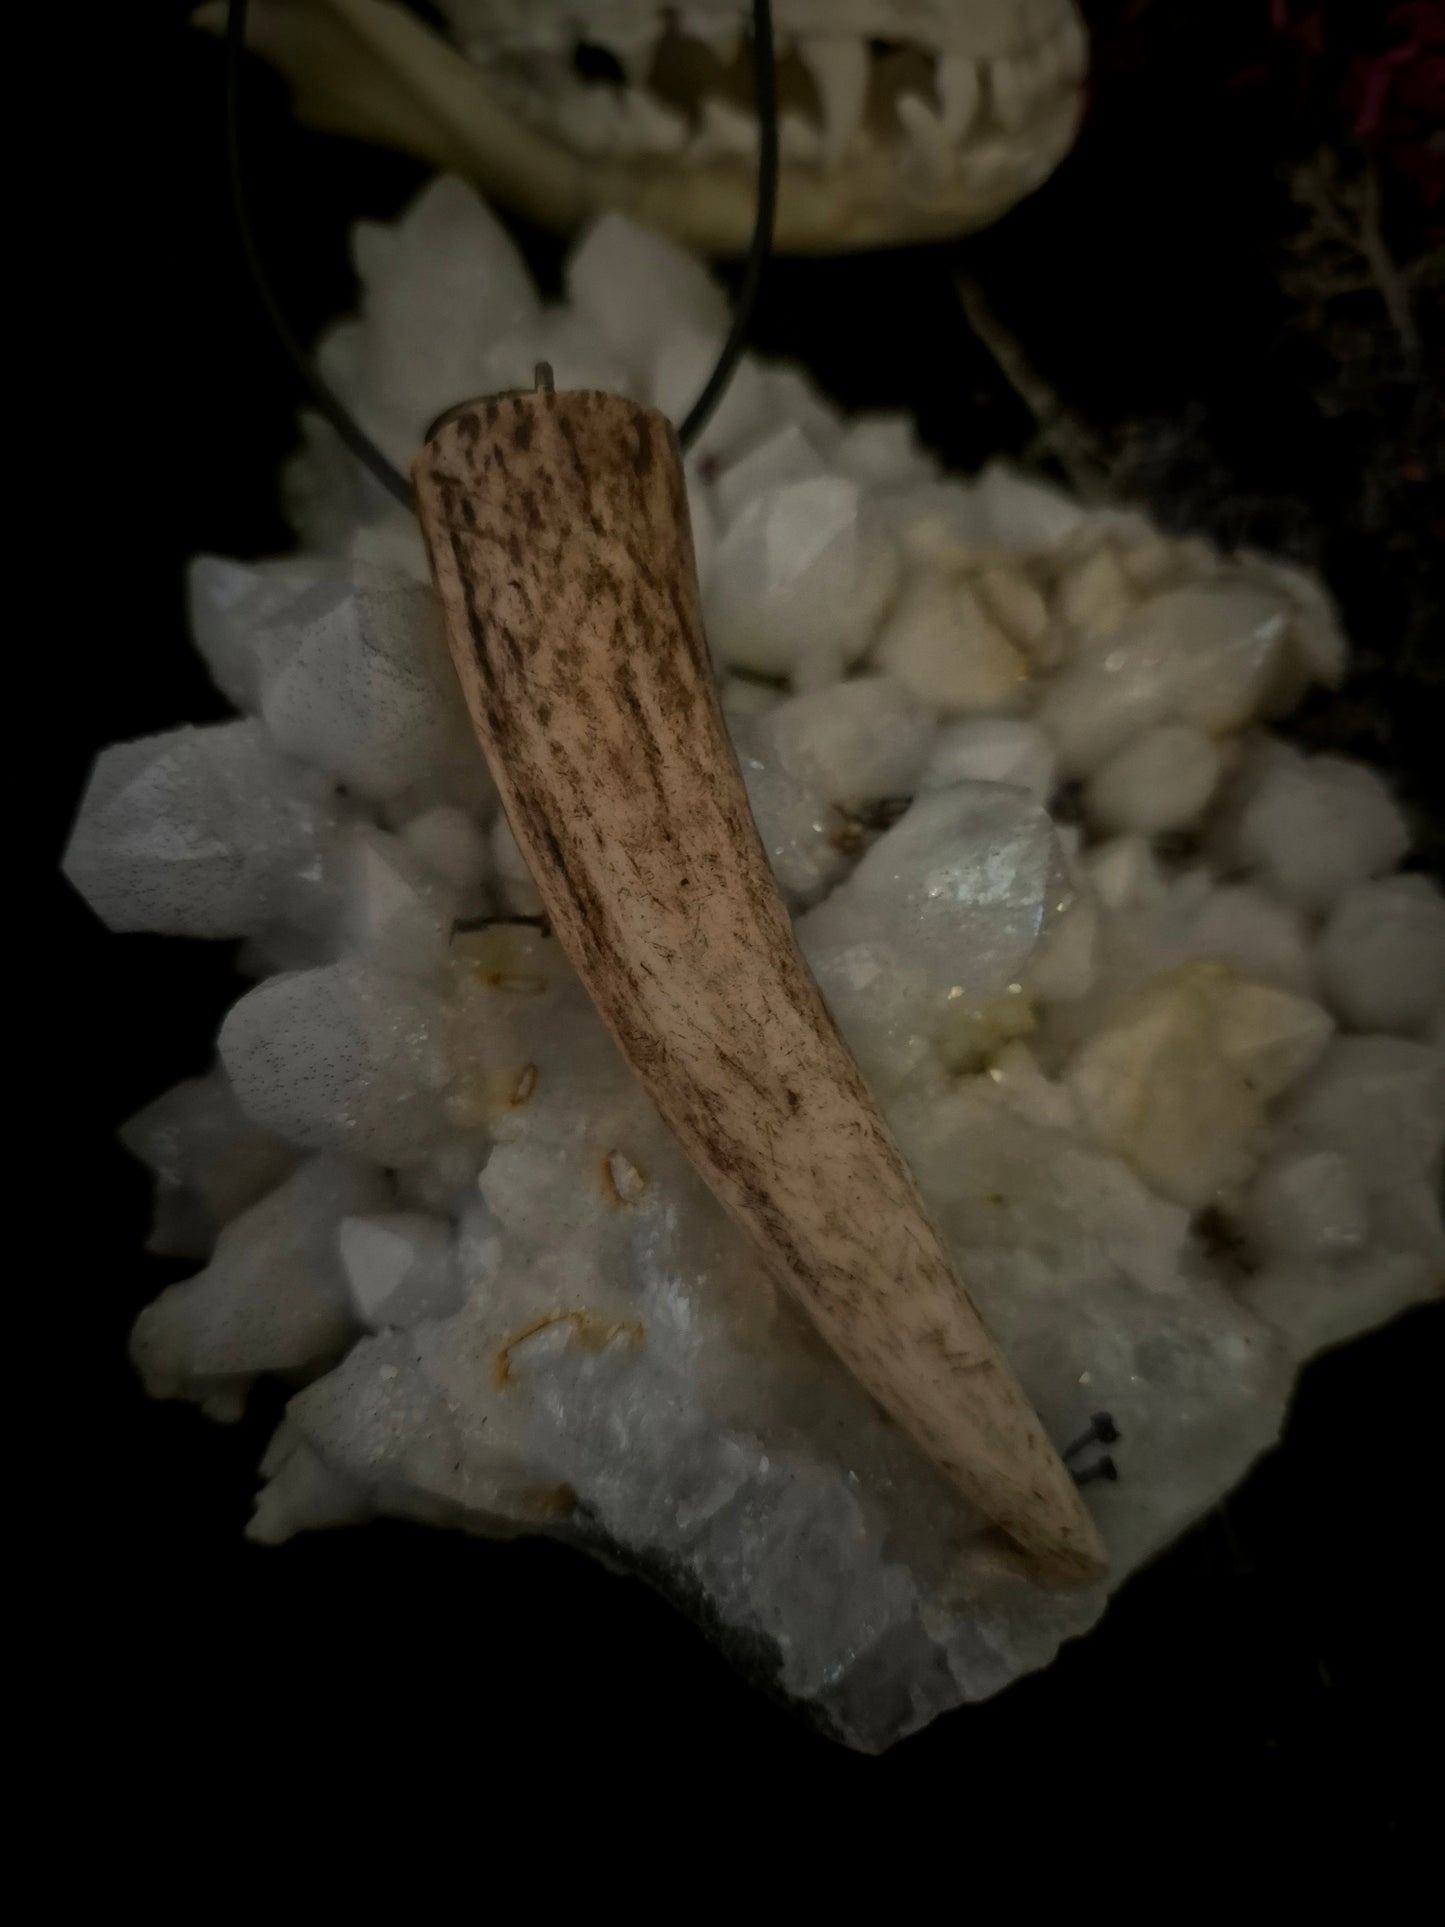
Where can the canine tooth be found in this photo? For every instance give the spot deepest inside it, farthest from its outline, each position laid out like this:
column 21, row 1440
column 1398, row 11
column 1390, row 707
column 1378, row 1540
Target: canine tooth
column 1044, row 17
column 722, row 38
column 959, row 92
column 654, row 128
column 591, row 118
column 537, row 32
column 799, row 139
column 1009, row 88
column 725, row 134
column 1035, row 71
column 839, row 66
column 1048, row 63
column 631, row 43
column 1072, row 43
column 930, row 156
column 632, row 48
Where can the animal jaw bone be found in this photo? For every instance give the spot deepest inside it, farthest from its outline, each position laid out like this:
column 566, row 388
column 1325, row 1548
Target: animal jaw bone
column 900, row 120
column 584, row 667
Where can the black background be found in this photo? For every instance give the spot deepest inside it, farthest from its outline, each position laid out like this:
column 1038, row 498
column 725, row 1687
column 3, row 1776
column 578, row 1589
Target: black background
column 1272, row 1681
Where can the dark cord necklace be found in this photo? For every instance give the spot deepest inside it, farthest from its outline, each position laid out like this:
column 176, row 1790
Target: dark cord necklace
column 330, row 404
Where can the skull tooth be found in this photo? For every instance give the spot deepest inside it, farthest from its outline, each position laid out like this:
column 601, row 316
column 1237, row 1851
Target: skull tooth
column 959, row 92
column 651, row 127
column 1036, row 75
column 538, row 32
column 1072, row 42
column 725, row 133
column 1048, row 62
column 1044, row 17
column 591, row 119
column 838, row 64
column 1010, row 91
column 722, row 38
column 631, row 42
column 799, row 139
column 929, row 156
column 633, row 48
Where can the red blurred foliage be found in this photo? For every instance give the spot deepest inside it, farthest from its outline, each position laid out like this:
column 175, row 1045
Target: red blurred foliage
column 1388, row 94
column 1396, row 97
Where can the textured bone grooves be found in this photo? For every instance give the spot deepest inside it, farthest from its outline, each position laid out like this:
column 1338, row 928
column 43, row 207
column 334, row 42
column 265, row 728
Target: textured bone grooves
column 560, row 542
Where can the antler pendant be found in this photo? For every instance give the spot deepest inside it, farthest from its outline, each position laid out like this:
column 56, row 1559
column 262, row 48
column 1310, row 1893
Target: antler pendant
column 562, row 551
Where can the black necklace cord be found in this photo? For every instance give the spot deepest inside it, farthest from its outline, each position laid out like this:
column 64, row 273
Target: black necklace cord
column 765, row 111
column 330, row 405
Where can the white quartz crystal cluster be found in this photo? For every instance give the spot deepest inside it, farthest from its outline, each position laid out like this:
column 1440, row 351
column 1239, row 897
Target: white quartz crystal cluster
column 1150, row 1008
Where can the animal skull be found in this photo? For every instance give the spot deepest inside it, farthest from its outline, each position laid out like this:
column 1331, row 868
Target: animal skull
column 899, row 120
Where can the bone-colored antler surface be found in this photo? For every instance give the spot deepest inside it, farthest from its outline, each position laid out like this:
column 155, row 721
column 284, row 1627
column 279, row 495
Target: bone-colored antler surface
column 561, row 547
